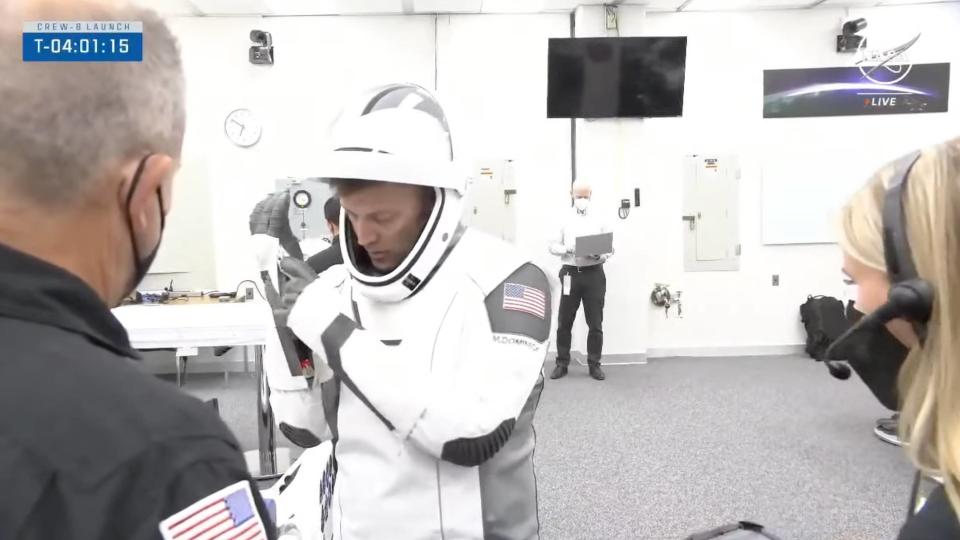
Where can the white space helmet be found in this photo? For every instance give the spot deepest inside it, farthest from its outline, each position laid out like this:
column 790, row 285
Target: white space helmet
column 398, row 133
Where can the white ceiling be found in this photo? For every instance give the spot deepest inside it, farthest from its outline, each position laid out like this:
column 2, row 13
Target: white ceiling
column 366, row 7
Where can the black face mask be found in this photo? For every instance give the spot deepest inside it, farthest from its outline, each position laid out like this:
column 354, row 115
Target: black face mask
column 142, row 264
column 876, row 355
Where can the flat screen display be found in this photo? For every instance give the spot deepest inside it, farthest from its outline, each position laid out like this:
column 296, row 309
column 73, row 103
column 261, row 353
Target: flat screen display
column 616, row 77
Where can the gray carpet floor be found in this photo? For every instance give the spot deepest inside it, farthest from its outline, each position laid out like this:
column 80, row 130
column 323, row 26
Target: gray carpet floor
column 685, row 444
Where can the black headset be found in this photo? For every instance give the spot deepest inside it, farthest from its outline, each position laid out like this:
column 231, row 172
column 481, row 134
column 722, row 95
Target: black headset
column 910, row 297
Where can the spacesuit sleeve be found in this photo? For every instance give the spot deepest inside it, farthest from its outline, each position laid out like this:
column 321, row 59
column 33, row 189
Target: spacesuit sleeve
column 466, row 416
column 299, row 410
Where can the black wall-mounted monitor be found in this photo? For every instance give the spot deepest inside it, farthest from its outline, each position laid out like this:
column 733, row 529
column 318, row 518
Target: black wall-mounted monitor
column 616, row 77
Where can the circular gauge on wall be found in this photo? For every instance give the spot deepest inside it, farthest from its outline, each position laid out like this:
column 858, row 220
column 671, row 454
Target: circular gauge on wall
column 302, row 199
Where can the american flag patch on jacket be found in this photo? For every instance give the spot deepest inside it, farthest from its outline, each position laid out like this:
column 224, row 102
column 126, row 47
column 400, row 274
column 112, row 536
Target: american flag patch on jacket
column 227, row 514
column 530, row 300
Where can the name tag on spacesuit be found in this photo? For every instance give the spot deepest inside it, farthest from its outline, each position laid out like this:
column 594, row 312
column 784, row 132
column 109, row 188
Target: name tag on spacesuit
column 505, row 339
column 566, row 284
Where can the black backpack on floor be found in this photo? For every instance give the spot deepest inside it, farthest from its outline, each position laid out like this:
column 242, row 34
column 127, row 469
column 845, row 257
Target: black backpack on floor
column 743, row 530
column 824, row 319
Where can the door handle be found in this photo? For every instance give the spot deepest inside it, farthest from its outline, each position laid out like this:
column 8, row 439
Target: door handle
column 692, row 220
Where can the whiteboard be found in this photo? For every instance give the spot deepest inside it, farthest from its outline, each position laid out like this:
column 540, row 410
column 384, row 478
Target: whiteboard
column 803, row 192
column 811, row 166
column 187, row 247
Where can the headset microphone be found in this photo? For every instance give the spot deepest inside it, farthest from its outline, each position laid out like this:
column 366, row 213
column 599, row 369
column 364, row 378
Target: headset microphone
column 882, row 315
column 911, row 300
column 838, row 370
column 841, row 370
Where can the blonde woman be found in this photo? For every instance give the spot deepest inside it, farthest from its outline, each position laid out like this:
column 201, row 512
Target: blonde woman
column 901, row 244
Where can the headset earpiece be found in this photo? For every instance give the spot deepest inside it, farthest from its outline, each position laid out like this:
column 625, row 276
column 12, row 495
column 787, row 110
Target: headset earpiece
column 912, row 300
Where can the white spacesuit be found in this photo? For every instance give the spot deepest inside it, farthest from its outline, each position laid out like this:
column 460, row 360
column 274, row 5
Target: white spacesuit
column 436, row 366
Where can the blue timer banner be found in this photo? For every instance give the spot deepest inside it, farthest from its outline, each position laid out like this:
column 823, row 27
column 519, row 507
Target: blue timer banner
column 82, row 42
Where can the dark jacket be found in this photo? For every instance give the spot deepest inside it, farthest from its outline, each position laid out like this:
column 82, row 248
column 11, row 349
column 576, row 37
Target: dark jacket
column 91, row 447
column 935, row 521
column 330, row 256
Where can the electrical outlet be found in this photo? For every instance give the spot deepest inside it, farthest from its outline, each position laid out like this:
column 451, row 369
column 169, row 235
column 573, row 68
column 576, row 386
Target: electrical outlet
column 776, row 280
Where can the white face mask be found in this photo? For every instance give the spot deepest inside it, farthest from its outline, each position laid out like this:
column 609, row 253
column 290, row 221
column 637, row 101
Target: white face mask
column 581, row 204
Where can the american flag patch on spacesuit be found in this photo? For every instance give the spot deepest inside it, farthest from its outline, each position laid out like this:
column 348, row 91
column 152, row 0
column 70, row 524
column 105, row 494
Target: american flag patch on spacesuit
column 229, row 513
column 518, row 297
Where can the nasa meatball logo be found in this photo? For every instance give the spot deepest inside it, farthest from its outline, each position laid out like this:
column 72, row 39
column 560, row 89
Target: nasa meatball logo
column 887, row 65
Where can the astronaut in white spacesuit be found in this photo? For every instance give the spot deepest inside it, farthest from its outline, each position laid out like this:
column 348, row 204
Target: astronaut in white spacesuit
column 428, row 342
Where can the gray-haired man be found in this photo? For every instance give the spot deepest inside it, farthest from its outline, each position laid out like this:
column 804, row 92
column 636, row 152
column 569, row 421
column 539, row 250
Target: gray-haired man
column 90, row 447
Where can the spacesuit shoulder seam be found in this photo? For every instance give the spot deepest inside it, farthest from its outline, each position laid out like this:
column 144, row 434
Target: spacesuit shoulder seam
column 493, row 275
column 520, row 304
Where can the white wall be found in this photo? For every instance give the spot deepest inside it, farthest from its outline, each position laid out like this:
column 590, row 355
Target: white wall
column 492, row 77
column 493, row 80
column 186, row 254
column 319, row 62
column 739, row 312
